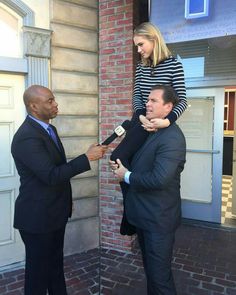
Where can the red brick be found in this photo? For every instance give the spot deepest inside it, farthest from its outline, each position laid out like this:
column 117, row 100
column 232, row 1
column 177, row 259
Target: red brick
column 3, row 289
column 198, row 291
column 103, row 6
column 116, row 31
column 107, row 25
column 225, row 283
column 116, row 17
column 230, row 291
column 116, row 82
column 115, row 3
column 7, row 281
column 16, row 285
column 202, row 278
column 212, row 287
column 193, row 269
column 215, row 274
column 107, row 51
column 103, row 12
column 123, row 22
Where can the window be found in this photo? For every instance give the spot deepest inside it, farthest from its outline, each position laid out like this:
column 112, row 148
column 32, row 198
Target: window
column 196, row 8
column 10, row 33
column 207, row 59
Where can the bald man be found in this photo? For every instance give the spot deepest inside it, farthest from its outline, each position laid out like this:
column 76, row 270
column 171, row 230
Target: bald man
column 44, row 203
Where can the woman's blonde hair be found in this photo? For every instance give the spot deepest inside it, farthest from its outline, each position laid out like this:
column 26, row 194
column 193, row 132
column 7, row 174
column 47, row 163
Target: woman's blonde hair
column 160, row 50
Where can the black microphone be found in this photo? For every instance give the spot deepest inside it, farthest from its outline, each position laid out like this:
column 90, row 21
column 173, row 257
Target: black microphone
column 120, row 130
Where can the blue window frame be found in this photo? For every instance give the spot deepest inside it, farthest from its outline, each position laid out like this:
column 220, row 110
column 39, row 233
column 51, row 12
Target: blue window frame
column 196, row 8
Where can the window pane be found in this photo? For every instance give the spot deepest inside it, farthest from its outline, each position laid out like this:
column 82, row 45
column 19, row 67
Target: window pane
column 196, row 6
column 209, row 58
column 196, row 124
column 10, row 33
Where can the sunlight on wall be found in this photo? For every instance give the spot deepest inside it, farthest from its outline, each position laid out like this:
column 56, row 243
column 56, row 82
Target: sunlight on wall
column 41, row 9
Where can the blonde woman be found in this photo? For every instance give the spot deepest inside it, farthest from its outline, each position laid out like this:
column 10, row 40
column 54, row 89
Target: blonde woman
column 156, row 67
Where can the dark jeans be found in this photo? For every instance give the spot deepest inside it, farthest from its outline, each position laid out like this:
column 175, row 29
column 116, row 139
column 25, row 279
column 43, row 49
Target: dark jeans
column 157, row 251
column 132, row 142
column 44, row 263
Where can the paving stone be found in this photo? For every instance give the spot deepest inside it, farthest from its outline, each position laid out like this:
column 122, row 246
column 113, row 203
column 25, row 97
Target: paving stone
column 202, row 268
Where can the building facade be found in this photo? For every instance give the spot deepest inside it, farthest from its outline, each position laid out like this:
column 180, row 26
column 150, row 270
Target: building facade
column 55, row 44
column 83, row 50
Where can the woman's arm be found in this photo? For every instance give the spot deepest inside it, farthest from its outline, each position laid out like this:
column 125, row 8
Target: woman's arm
column 178, row 84
column 138, row 105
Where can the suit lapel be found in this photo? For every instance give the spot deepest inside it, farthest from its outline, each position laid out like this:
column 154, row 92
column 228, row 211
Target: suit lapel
column 59, row 142
column 152, row 137
column 47, row 136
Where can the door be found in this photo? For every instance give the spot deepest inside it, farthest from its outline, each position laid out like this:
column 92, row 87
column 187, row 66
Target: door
column 12, row 114
column 234, row 167
column 201, row 183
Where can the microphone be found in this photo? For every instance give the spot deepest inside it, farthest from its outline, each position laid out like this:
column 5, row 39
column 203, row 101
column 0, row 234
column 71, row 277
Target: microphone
column 120, row 130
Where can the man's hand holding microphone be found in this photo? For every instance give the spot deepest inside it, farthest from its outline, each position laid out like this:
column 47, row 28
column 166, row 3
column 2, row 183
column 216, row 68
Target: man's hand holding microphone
column 97, row 151
column 118, row 169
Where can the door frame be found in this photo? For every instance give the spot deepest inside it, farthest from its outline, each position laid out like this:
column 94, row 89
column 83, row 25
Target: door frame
column 210, row 212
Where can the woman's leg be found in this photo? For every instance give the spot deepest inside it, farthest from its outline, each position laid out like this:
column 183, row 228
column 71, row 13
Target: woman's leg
column 133, row 140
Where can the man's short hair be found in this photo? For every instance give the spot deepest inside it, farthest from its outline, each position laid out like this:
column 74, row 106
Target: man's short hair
column 169, row 94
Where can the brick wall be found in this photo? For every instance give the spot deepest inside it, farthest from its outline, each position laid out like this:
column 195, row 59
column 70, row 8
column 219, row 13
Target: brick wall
column 115, row 91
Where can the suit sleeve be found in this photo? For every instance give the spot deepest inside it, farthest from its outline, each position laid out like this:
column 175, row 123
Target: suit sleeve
column 32, row 154
column 168, row 162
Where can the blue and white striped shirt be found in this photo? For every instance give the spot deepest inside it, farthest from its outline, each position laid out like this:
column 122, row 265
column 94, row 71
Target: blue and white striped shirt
column 168, row 72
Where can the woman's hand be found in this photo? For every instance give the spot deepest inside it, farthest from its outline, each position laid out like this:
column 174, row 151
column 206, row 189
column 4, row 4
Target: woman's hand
column 160, row 123
column 154, row 124
column 146, row 124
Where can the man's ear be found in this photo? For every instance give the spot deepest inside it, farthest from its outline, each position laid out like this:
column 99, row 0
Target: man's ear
column 33, row 107
column 169, row 106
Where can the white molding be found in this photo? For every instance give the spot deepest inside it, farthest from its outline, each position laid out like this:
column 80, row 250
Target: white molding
column 37, row 42
column 13, row 65
column 22, row 9
column 204, row 13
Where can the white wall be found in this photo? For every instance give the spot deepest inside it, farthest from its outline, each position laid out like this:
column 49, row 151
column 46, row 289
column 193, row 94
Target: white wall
column 41, row 10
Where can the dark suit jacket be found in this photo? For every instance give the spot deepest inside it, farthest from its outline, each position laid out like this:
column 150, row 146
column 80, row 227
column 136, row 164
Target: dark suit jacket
column 153, row 200
column 45, row 201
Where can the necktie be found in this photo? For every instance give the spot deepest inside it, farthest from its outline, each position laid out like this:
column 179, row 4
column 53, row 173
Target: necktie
column 53, row 135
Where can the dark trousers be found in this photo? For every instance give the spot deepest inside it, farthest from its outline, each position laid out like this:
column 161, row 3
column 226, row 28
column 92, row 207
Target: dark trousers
column 44, row 263
column 131, row 143
column 157, row 251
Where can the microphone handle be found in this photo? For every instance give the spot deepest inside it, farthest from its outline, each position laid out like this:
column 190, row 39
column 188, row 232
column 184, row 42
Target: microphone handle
column 110, row 139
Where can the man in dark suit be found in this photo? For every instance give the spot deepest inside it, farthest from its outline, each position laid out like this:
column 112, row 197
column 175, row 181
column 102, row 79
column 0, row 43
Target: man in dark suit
column 44, row 203
column 153, row 203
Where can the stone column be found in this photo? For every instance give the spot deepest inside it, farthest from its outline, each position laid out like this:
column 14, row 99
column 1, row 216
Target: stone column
column 37, row 51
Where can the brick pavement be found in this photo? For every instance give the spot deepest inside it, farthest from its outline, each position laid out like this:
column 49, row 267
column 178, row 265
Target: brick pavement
column 204, row 263
column 81, row 272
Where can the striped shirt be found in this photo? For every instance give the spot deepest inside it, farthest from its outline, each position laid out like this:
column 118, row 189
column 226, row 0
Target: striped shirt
column 168, row 72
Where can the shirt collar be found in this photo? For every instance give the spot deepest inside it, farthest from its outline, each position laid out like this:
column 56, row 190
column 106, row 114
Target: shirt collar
column 41, row 123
